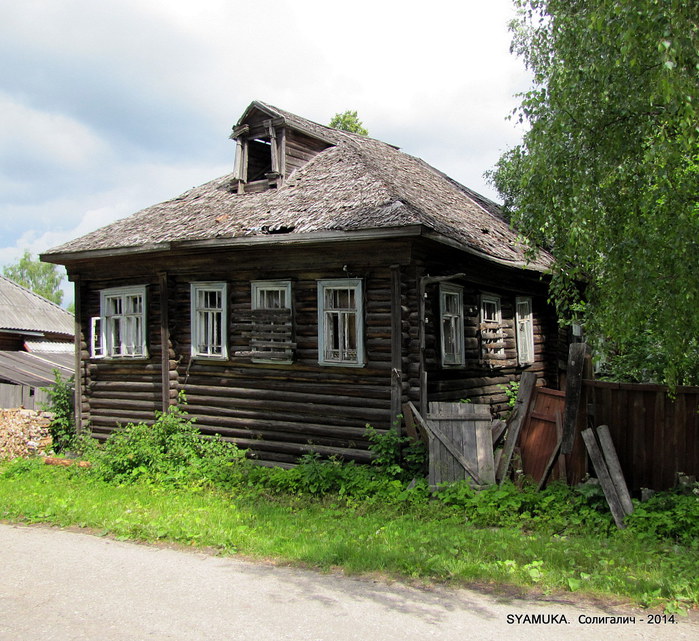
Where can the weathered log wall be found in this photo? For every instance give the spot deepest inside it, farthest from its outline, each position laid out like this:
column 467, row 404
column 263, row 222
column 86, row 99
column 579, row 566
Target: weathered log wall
column 120, row 391
column 281, row 410
column 484, row 381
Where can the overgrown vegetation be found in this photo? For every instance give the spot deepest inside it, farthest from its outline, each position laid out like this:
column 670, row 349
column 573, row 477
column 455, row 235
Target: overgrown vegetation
column 170, row 450
column 348, row 121
column 607, row 174
column 167, row 481
column 60, row 404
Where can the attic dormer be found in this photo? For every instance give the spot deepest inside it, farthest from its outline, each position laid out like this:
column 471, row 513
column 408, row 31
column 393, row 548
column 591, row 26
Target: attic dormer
column 269, row 148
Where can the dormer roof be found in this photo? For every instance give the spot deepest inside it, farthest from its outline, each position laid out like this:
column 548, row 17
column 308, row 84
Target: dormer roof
column 331, row 183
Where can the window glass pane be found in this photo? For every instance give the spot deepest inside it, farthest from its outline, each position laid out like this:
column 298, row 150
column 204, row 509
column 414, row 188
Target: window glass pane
column 451, row 303
column 448, row 328
column 113, row 306
column 489, row 311
column 350, row 338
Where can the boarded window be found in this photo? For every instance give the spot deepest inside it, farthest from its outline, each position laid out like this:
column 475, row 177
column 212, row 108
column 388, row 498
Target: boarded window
column 209, row 335
column 340, row 322
column 491, row 330
column 271, row 335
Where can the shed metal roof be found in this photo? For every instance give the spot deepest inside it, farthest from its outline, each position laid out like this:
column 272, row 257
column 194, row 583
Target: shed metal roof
column 23, row 368
column 23, row 310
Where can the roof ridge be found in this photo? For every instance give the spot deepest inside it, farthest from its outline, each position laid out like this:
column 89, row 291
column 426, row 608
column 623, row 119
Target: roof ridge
column 341, row 133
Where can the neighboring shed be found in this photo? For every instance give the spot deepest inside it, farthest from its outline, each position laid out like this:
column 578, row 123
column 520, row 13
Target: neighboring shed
column 327, row 280
column 36, row 337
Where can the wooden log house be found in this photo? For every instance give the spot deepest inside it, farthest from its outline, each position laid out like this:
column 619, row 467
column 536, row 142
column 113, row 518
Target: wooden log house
column 325, row 282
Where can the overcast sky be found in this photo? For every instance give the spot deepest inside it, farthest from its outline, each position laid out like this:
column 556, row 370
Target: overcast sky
column 109, row 106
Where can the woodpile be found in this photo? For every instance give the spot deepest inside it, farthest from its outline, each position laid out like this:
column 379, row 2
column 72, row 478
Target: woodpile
column 24, row 433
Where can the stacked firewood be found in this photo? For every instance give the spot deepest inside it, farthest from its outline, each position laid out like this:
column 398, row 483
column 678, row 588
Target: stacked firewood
column 24, row 433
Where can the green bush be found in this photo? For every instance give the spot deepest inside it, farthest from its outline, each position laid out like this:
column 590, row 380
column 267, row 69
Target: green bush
column 60, row 404
column 557, row 509
column 171, row 449
column 668, row 515
column 395, row 456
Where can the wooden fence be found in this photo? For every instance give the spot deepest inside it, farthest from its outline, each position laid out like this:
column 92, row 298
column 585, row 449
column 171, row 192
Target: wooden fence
column 656, row 436
column 12, row 396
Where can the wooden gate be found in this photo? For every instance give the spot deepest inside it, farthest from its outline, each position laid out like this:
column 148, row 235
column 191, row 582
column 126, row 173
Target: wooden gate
column 460, row 443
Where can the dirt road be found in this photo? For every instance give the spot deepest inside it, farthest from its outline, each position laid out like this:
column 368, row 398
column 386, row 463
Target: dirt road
column 60, row 585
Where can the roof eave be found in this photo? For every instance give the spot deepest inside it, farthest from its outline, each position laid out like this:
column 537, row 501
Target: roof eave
column 307, row 238
column 517, row 264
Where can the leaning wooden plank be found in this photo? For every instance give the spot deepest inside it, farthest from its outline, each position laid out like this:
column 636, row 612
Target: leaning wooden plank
column 446, row 442
column 526, row 391
column 484, row 452
column 604, row 478
column 410, row 410
column 576, row 361
column 410, row 428
column 612, row 461
column 551, row 462
column 562, row 468
column 498, row 430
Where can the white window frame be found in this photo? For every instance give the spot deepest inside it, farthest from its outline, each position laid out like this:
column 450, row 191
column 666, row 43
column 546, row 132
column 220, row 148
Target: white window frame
column 132, row 328
column 325, row 327
column 524, row 329
column 206, row 320
column 452, row 325
column 96, row 337
column 495, row 322
column 259, row 286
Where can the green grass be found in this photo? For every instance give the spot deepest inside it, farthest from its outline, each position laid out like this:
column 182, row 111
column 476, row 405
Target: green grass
column 425, row 540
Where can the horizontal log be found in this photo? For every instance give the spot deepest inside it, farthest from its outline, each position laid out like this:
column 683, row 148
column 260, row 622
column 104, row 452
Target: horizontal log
column 334, row 396
column 280, row 430
column 299, row 449
column 122, row 418
column 324, row 389
column 215, row 406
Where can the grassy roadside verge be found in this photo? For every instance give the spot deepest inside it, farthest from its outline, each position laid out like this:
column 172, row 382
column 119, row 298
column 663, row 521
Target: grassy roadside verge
column 427, row 540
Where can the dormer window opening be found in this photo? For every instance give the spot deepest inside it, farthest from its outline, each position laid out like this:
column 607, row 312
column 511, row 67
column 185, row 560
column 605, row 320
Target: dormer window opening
column 259, row 156
column 259, row 159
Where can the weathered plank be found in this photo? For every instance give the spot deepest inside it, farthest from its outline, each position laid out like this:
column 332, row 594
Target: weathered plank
column 527, row 386
column 612, row 461
column 608, row 486
column 465, row 431
column 556, row 454
column 576, row 362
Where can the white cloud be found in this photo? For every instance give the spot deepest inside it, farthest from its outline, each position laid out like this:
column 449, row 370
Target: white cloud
column 49, row 137
column 118, row 104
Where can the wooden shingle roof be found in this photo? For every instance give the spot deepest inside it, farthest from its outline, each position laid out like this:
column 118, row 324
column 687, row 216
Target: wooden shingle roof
column 357, row 184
